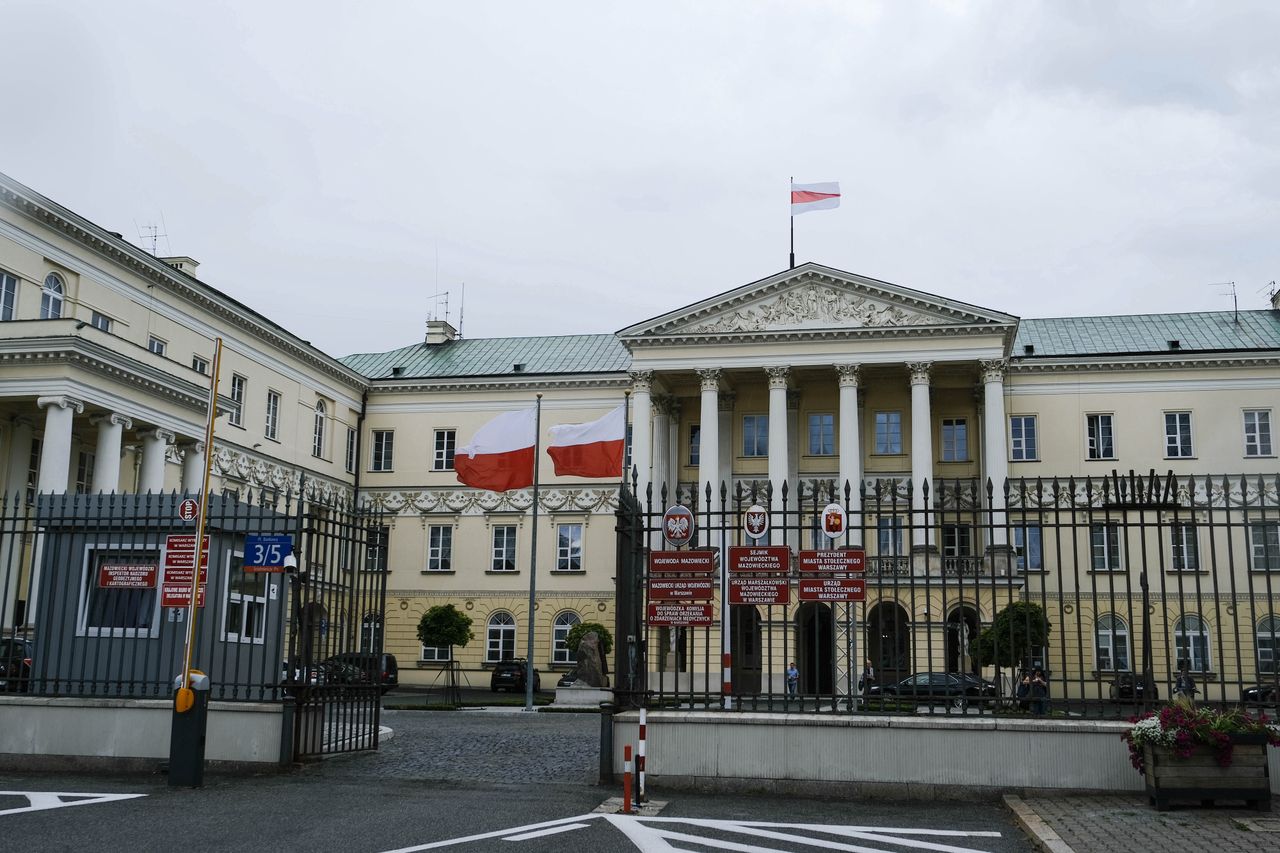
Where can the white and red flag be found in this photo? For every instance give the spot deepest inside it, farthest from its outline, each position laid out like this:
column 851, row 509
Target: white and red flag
column 807, row 197
column 592, row 449
column 500, row 454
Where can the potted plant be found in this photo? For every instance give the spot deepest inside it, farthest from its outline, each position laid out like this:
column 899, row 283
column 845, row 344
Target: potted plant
column 1200, row 753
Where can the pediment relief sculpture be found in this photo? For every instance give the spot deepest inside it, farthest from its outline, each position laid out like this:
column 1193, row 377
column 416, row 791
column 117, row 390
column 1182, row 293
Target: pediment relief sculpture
column 812, row 306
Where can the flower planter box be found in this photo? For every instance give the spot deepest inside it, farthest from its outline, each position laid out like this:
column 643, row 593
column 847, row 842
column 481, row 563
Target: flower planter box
column 1201, row 778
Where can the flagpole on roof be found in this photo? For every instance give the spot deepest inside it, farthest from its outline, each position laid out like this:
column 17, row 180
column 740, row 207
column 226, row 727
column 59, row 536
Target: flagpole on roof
column 533, row 560
column 793, row 228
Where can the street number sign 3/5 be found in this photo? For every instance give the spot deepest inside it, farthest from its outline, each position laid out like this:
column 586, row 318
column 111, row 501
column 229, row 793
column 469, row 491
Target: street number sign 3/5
column 266, row 553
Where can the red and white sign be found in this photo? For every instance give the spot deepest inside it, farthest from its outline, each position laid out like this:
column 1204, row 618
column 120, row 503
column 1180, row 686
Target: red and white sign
column 681, row 589
column 833, row 520
column 188, row 510
column 690, row 562
column 678, row 525
column 680, row 615
column 127, row 575
column 755, row 521
column 832, row 589
column 844, row 560
column 179, row 564
column 775, row 559
column 759, row 591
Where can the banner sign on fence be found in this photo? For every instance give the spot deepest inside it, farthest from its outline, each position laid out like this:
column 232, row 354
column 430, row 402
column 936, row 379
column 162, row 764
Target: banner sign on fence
column 775, row 559
column 680, row 615
column 832, row 589
column 179, row 564
column 264, row 553
column 127, row 575
column 844, row 560
column 759, row 591
column 691, row 562
column 681, row 589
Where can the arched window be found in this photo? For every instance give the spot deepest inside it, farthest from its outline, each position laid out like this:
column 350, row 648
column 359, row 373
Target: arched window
column 561, row 653
column 1191, row 641
column 317, row 436
column 500, row 638
column 51, row 297
column 1111, row 643
column 1268, row 641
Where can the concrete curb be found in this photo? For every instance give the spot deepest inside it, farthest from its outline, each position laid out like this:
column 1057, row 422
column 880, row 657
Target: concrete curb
column 1042, row 835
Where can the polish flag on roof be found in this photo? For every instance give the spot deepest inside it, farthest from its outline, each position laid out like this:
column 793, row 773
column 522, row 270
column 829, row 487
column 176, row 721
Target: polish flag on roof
column 807, row 197
column 500, row 454
column 592, row 449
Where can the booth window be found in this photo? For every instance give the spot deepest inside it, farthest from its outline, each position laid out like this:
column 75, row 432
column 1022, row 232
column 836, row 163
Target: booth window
column 118, row 592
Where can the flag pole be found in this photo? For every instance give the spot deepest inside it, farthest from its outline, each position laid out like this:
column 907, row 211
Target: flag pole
column 533, row 560
column 793, row 229
column 626, row 437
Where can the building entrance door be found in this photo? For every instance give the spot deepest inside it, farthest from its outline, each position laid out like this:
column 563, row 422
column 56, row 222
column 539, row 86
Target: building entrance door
column 962, row 631
column 815, row 647
column 744, row 644
column 889, row 641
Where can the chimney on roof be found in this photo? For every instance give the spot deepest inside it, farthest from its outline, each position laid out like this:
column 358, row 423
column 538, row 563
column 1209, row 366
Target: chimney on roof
column 439, row 332
column 184, row 264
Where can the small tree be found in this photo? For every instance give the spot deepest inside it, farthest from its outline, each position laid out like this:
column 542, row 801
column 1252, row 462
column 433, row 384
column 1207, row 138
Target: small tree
column 577, row 632
column 1012, row 635
column 443, row 625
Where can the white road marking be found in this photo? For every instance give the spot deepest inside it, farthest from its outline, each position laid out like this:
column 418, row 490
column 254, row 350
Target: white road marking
column 42, row 800
column 567, row 827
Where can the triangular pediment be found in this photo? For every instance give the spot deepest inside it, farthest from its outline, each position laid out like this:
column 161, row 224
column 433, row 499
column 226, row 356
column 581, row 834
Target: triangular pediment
column 813, row 298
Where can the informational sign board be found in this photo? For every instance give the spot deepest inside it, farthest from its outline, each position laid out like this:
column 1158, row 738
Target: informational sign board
column 127, row 575
column 678, row 525
column 774, row 559
column 759, row 591
column 681, row 589
column 687, row 562
column 179, row 561
column 848, row 560
column 665, row 615
column 266, row 553
column 832, row 589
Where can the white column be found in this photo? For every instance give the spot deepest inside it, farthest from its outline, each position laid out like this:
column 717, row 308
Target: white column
column 921, row 451
column 850, row 445
column 673, row 451
column 19, row 462
column 726, row 403
column 662, row 475
column 709, row 435
column 55, row 447
column 192, row 466
column 106, row 465
column 793, row 435
column 642, row 430
column 155, row 447
column 778, row 380
column 997, row 451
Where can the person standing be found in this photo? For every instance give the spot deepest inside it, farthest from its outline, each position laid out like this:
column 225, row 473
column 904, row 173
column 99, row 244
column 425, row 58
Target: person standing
column 793, row 679
column 1039, row 693
column 868, row 677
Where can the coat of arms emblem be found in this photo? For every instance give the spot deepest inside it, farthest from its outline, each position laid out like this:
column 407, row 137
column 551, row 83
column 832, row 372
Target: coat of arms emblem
column 756, row 521
column 677, row 526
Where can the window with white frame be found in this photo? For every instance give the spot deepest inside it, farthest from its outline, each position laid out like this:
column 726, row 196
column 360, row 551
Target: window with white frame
column 440, row 548
column 351, row 450
column 500, row 637
column 1100, row 430
column 1023, row 445
column 199, row 364
column 1027, row 545
column 238, row 386
column 560, row 651
column 246, row 610
column 822, row 434
column 382, row 453
column 317, row 432
column 8, row 296
column 695, row 443
column 889, row 536
column 755, row 435
column 272, row 430
column 100, row 321
column 957, row 540
column 1264, row 546
column 33, row 470
column 1111, row 643
column 1104, row 546
column 376, row 547
column 51, row 296
column 1268, row 643
column 888, row 432
column 1257, row 432
column 568, row 547
column 955, row 440
column 446, row 441
column 371, row 632
column 1185, row 546
column 118, row 592
column 1191, row 642
column 504, row 548
column 84, row 472
column 1177, row 435
column 436, row 654
column 157, row 346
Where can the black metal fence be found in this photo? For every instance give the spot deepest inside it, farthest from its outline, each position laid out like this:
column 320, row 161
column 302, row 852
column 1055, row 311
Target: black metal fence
column 1051, row 596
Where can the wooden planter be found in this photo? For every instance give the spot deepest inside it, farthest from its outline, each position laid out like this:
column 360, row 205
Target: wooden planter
column 1199, row 777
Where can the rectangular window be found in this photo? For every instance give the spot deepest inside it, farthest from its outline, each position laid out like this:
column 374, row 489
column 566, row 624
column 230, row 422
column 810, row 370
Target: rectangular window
column 33, row 470
column 199, row 364
column 1104, row 547
column 376, row 547
column 273, row 415
column 446, row 440
column 84, row 472
column 246, row 609
column 100, row 321
column 238, row 386
column 1027, row 545
column 440, row 548
column 351, row 450
column 888, row 432
column 1101, row 443
column 889, row 536
column 955, row 440
column 381, row 454
column 1022, row 438
column 695, row 442
column 8, row 296
column 568, row 547
column 755, row 435
column 156, row 345
column 1177, row 435
column 822, row 434
column 1257, row 432
column 1186, row 548
column 119, row 592
column 504, row 548
column 436, row 654
column 957, row 540
column 1264, row 547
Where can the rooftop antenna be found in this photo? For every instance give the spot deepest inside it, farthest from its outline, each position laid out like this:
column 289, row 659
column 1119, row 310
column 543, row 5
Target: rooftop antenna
column 463, row 307
column 1235, row 302
column 152, row 234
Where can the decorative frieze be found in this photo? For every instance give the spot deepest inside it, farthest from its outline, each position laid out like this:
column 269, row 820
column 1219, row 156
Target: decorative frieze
column 808, row 306
column 475, row 502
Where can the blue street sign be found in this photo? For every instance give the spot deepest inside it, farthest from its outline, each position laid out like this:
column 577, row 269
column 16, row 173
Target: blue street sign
column 266, row 552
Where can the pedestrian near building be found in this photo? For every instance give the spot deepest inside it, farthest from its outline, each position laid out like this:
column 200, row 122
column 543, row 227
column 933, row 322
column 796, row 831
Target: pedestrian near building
column 793, row 679
column 868, row 677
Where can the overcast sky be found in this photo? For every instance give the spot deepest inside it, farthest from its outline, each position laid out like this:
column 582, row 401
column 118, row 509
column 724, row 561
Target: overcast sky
column 585, row 166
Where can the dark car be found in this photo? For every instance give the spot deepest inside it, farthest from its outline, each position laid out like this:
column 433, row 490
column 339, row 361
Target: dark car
column 1129, row 687
column 511, row 674
column 15, row 664
column 377, row 669
column 1261, row 694
column 957, row 688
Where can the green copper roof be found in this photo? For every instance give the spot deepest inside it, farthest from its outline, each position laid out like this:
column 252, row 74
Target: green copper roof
column 1211, row 331
column 559, row 355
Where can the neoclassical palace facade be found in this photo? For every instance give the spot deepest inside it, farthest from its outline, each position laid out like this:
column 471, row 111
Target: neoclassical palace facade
column 809, row 375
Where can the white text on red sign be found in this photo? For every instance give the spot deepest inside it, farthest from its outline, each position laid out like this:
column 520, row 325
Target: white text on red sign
column 774, row 559
column 680, row 615
column 691, row 562
column 832, row 589
column 844, row 560
column 758, row 591
column 680, row 589
column 127, row 576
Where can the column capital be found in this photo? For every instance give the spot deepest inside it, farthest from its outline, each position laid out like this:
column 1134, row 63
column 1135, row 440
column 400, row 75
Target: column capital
column 994, row 369
column 919, row 371
column 62, row 402
column 190, row 445
column 725, row 402
column 665, row 405
column 710, row 377
column 164, row 435
column 850, row 375
column 642, row 380
column 112, row 419
column 779, row 377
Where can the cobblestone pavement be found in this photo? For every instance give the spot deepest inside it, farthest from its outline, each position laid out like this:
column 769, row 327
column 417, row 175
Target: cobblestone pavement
column 1125, row 822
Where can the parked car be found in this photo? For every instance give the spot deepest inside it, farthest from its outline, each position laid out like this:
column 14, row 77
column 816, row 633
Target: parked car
column 378, row 669
column 511, row 674
column 15, row 664
column 1129, row 687
column 958, row 688
column 1260, row 694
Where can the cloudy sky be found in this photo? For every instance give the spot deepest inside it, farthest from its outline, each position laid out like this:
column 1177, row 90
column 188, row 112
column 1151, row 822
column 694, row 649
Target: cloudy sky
column 584, row 166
